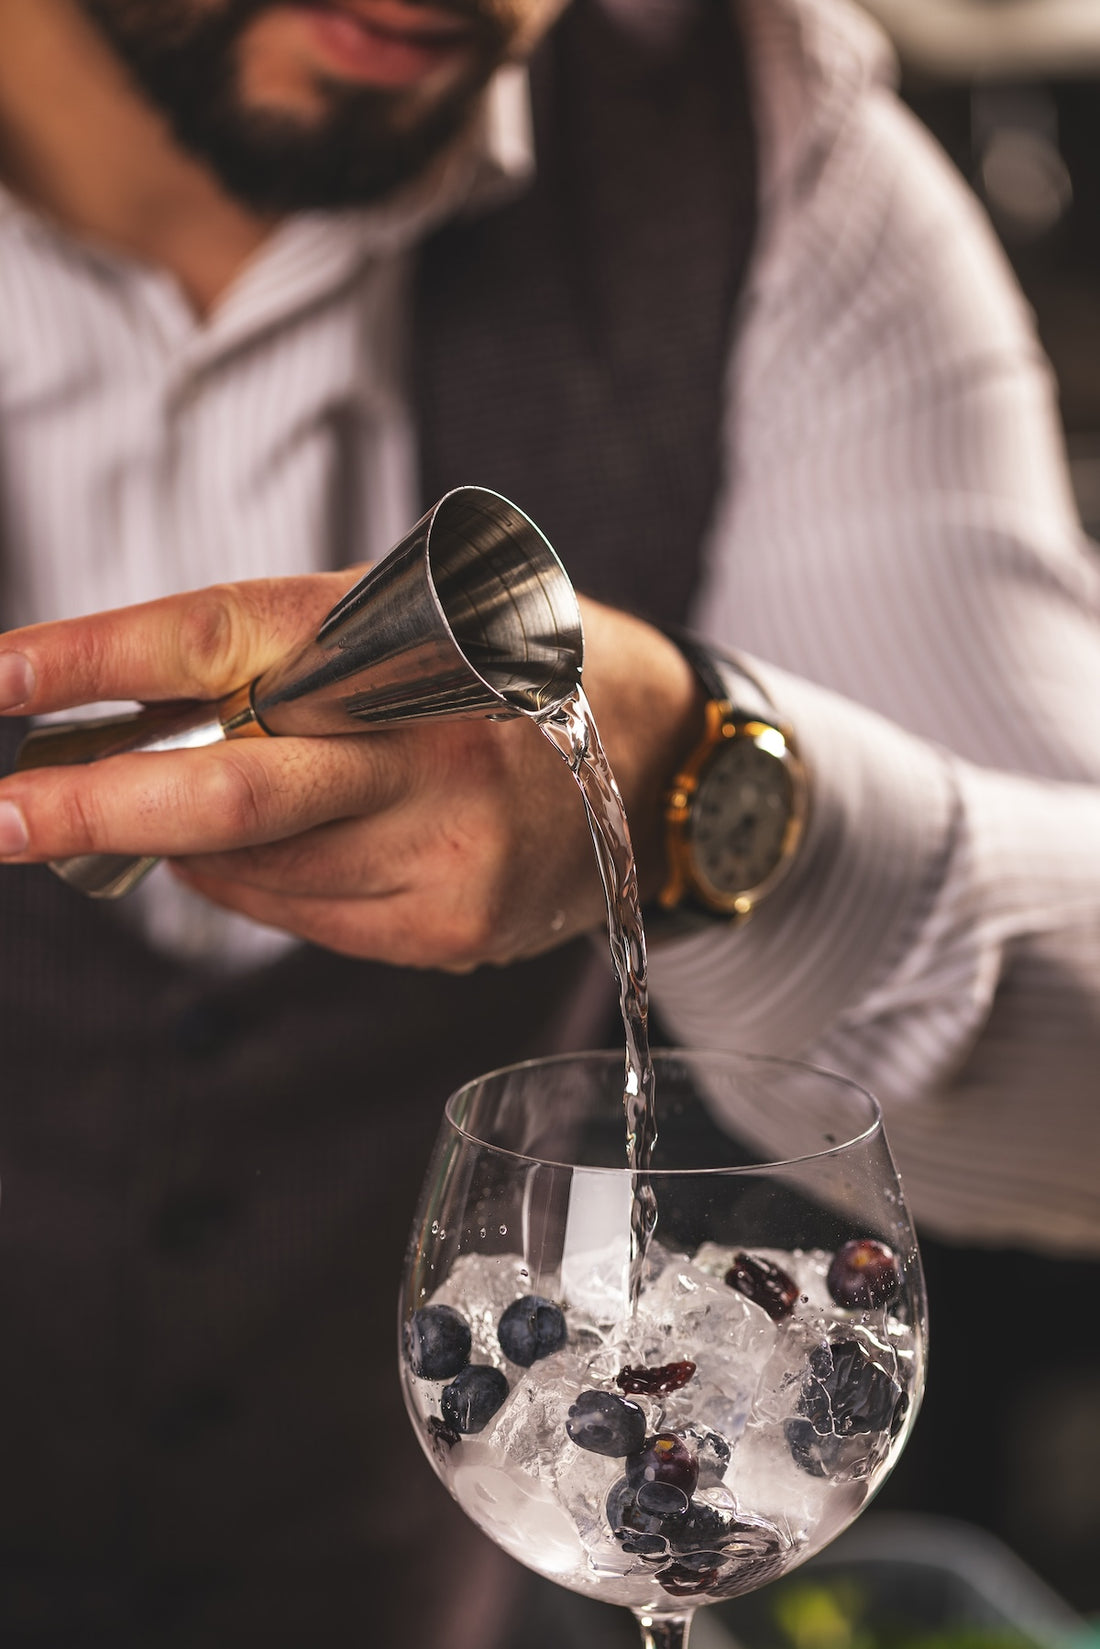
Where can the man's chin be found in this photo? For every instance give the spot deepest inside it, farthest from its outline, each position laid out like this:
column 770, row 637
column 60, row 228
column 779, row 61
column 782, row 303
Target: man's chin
column 271, row 163
column 293, row 129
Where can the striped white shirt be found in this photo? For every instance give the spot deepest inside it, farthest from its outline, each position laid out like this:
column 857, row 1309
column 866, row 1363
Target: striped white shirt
column 896, row 552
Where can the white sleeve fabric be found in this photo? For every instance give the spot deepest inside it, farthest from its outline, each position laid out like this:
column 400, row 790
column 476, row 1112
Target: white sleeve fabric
column 897, row 559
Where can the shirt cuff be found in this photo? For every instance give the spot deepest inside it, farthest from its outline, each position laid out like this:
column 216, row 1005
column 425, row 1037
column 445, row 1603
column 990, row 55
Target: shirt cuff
column 883, row 817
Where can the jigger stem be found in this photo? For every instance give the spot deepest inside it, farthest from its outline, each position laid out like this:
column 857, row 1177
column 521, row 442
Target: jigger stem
column 160, row 727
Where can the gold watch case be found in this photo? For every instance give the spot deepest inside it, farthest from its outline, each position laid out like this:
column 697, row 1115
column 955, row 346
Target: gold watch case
column 734, row 815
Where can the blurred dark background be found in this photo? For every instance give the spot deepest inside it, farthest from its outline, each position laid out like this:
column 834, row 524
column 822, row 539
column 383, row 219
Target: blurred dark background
column 1012, row 90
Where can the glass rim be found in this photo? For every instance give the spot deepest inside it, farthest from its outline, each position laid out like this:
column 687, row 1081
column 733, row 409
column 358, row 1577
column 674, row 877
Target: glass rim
column 661, row 1055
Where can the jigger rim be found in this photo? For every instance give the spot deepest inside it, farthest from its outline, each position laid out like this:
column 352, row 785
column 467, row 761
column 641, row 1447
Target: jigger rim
column 553, row 579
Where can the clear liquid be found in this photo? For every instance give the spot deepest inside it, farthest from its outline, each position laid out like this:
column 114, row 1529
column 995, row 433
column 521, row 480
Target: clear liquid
column 572, row 731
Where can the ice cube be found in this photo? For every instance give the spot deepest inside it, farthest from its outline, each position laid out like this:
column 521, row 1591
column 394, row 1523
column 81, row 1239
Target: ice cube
column 595, row 1265
column 518, row 1511
column 689, row 1315
column 584, row 1481
column 767, row 1483
column 529, row 1430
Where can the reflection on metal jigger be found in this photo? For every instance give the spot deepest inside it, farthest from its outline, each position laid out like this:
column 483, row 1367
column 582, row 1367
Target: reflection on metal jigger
column 471, row 614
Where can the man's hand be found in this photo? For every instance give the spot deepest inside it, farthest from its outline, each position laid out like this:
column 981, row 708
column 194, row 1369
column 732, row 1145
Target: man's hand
column 440, row 844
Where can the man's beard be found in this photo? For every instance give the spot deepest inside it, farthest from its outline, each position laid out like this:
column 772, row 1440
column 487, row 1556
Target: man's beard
column 184, row 59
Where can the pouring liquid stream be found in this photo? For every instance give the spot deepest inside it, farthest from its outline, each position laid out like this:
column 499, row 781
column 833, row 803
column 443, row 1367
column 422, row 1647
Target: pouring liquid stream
column 571, row 729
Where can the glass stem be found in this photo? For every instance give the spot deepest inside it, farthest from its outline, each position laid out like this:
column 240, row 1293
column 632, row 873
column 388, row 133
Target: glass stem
column 663, row 1631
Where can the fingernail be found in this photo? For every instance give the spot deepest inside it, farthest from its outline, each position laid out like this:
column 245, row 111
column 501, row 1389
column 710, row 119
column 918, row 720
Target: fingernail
column 13, row 830
column 16, row 680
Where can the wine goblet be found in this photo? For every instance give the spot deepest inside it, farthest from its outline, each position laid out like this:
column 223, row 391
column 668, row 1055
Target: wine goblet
column 665, row 1429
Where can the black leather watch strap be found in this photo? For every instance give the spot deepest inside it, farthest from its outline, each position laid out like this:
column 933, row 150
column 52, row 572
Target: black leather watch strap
column 722, row 679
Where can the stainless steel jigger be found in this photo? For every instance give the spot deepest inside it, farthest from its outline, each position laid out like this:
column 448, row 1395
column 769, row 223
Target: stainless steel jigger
column 470, row 614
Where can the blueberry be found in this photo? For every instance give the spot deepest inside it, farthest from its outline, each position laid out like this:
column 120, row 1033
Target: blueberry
column 437, row 1342
column 653, row 1547
column 846, row 1388
column 825, row 1455
column 471, row 1400
column 606, row 1424
column 863, row 1274
column 637, row 1531
column 531, row 1328
column 641, row 1525
column 666, row 1460
column 848, row 1407
column 744, row 1556
column 696, row 1546
column 765, row 1284
column 665, row 1500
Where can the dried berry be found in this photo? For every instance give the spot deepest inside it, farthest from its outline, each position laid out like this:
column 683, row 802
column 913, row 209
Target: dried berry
column 655, row 1382
column 764, row 1283
column 863, row 1274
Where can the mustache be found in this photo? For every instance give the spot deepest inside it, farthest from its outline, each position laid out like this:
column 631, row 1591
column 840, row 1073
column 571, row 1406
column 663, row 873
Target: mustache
column 486, row 17
column 185, row 58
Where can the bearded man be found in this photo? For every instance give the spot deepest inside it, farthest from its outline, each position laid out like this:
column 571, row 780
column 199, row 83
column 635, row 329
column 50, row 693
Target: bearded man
column 684, row 281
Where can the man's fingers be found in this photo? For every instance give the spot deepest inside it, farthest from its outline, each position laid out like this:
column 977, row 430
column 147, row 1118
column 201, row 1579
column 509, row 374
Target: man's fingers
column 200, row 645
column 212, row 800
column 390, row 926
column 329, row 861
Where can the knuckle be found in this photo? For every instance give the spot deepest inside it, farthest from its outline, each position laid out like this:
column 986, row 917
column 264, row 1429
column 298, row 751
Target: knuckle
column 234, row 801
column 211, row 641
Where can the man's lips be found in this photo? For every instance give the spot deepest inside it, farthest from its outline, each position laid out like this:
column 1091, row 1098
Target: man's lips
column 397, row 17
column 386, row 42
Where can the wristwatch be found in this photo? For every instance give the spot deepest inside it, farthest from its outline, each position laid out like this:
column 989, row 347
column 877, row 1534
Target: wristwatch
column 735, row 813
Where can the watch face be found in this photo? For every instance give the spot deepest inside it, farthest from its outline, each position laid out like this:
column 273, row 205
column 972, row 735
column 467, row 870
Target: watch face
column 739, row 817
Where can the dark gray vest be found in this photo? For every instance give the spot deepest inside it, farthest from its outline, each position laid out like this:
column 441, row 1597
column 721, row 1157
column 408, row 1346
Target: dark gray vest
column 207, row 1187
